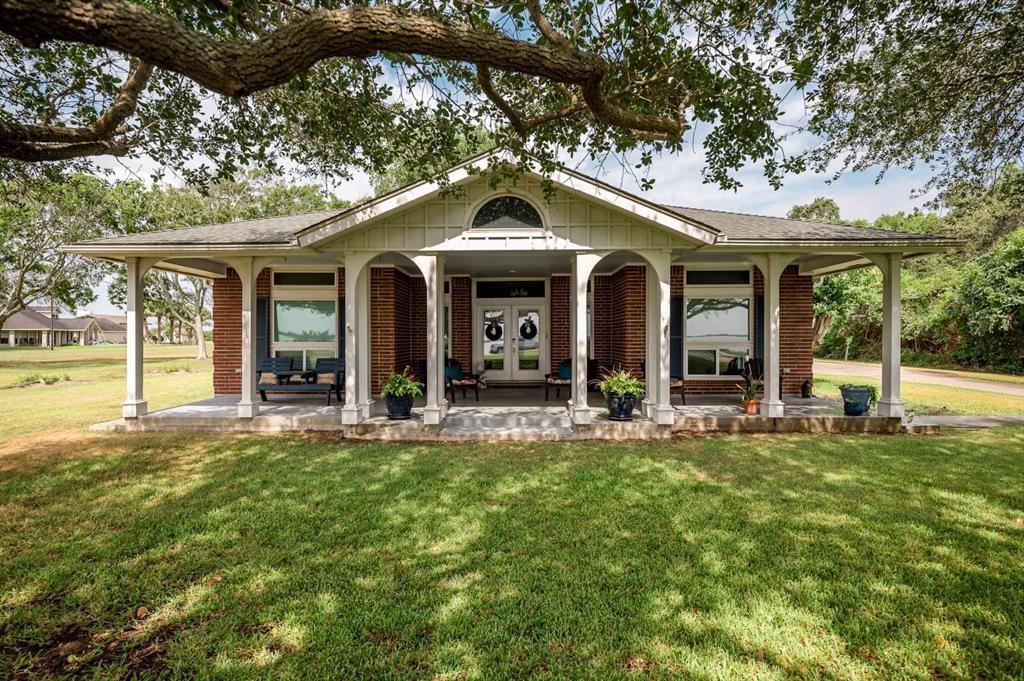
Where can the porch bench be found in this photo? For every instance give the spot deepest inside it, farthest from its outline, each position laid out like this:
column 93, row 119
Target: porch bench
column 326, row 388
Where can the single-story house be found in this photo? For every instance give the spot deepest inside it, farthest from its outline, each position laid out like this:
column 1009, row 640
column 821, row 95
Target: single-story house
column 112, row 327
column 514, row 280
column 33, row 325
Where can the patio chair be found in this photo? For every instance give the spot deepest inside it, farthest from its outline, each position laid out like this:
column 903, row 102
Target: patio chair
column 271, row 366
column 330, row 371
column 455, row 377
column 558, row 380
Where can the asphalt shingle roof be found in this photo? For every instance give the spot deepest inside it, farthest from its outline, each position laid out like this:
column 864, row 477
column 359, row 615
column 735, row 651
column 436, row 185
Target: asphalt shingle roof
column 742, row 227
column 279, row 230
column 735, row 227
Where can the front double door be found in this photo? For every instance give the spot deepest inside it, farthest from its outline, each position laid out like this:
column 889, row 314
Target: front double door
column 511, row 341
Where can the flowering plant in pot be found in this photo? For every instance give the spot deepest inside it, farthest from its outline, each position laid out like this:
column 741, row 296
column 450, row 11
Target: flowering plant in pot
column 621, row 390
column 399, row 390
column 749, row 392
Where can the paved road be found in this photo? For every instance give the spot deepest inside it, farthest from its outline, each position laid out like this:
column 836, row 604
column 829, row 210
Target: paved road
column 909, row 375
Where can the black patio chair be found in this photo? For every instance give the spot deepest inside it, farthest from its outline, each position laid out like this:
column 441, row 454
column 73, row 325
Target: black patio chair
column 455, row 377
column 559, row 379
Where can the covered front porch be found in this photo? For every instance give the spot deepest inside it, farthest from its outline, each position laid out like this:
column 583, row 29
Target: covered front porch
column 503, row 414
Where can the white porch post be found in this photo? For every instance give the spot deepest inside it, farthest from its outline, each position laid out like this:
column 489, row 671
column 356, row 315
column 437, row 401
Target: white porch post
column 357, row 345
column 582, row 265
column 890, row 404
column 248, row 402
column 432, row 267
column 659, row 310
column 772, row 265
column 134, row 404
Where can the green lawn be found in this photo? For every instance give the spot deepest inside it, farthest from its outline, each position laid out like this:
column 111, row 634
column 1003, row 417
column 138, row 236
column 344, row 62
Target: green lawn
column 929, row 399
column 723, row 557
column 96, row 387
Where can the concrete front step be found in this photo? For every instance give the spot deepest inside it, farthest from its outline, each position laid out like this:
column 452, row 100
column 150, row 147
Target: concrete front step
column 510, row 433
column 498, row 419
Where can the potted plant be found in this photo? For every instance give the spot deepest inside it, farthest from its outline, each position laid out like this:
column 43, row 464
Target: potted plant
column 621, row 390
column 748, row 391
column 399, row 390
column 858, row 399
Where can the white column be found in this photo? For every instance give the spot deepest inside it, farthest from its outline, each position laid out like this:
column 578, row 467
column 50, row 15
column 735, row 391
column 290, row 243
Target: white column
column 357, row 346
column 248, row 402
column 432, row 267
column 772, row 265
column 134, row 405
column 582, row 265
column 659, row 310
column 890, row 404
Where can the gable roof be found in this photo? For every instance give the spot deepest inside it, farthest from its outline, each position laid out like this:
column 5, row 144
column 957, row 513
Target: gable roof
column 699, row 225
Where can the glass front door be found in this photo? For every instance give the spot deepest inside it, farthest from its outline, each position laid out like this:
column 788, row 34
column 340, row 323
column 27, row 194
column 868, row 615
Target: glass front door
column 511, row 341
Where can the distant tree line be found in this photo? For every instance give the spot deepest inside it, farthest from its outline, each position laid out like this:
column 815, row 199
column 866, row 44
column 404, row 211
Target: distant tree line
column 964, row 308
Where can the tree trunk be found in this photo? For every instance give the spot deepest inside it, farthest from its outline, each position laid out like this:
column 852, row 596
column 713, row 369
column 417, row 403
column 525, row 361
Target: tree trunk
column 197, row 327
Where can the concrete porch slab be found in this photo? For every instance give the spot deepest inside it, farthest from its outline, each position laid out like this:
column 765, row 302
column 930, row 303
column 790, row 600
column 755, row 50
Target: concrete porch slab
column 518, row 414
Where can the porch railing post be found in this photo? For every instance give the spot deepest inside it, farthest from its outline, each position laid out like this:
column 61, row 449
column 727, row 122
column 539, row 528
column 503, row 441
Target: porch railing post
column 772, row 266
column 248, row 402
column 890, row 404
column 432, row 267
column 134, row 404
column 659, row 310
column 582, row 265
column 357, row 347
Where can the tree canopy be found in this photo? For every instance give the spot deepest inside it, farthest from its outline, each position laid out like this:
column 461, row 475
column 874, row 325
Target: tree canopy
column 205, row 87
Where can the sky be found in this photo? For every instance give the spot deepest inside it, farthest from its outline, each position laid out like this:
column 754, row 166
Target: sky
column 678, row 181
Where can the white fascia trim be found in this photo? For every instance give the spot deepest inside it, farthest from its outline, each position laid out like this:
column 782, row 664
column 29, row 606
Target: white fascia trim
column 333, row 227
column 839, row 247
column 573, row 182
column 634, row 205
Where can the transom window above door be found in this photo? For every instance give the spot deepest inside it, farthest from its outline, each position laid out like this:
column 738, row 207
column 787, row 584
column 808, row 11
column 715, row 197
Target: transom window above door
column 507, row 212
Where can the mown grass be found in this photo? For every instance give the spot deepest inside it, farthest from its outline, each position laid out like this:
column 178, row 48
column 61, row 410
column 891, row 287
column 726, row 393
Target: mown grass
column 724, row 557
column 922, row 399
column 91, row 385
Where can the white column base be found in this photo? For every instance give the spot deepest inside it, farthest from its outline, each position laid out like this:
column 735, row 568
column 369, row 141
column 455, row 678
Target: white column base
column 581, row 416
column 661, row 414
column 350, row 415
column 891, row 408
column 432, row 416
column 133, row 410
column 647, row 408
column 773, row 408
column 247, row 410
column 366, row 409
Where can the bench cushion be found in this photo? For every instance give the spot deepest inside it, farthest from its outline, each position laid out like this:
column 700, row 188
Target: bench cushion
column 554, row 380
column 267, row 378
column 298, row 387
column 463, row 381
column 327, row 378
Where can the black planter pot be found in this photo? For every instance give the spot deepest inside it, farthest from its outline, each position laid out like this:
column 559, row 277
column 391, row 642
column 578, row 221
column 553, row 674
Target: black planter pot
column 856, row 401
column 399, row 408
column 620, row 407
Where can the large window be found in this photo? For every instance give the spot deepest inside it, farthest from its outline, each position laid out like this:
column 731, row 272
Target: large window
column 304, row 316
column 305, row 321
column 507, row 212
column 718, row 323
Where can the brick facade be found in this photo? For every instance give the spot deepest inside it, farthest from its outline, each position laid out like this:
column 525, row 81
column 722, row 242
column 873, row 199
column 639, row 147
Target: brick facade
column 461, row 317
column 559, row 304
column 399, row 315
column 629, row 318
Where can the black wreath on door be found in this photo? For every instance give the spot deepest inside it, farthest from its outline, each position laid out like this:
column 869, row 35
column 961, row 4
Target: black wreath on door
column 528, row 330
column 493, row 331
